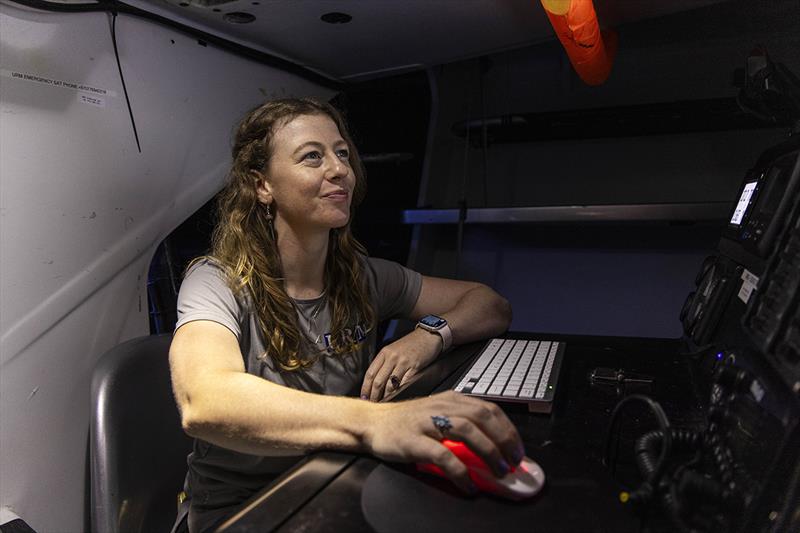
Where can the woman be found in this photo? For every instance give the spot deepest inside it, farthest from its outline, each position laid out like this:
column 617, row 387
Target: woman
column 276, row 328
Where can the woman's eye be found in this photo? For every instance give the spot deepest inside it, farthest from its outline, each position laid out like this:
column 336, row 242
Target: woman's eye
column 343, row 154
column 312, row 156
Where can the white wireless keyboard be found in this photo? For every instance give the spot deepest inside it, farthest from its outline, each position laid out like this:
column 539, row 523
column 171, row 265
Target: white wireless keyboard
column 515, row 370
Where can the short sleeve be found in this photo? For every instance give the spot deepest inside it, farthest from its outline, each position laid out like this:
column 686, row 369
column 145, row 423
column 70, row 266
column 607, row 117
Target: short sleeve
column 397, row 288
column 205, row 295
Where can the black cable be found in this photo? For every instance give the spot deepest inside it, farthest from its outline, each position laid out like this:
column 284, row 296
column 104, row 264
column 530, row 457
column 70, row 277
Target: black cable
column 91, row 7
column 108, row 6
column 651, row 483
column 484, row 132
column 650, row 443
column 700, row 351
column 122, row 78
column 171, row 267
column 462, row 202
column 748, row 109
column 672, row 503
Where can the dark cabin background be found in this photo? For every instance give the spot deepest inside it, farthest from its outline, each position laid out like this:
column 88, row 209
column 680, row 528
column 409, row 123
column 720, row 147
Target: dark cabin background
column 665, row 129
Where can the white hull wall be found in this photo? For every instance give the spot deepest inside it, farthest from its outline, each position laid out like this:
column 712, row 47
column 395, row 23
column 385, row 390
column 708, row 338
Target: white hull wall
column 81, row 212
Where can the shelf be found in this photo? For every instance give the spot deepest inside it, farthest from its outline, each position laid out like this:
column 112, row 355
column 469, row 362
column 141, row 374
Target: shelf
column 661, row 118
column 685, row 212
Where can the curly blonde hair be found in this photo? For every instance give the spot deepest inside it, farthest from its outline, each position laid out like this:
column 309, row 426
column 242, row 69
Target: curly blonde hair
column 244, row 242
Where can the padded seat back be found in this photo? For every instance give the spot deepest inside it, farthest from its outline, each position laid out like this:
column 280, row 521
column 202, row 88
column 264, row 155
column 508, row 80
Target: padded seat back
column 137, row 446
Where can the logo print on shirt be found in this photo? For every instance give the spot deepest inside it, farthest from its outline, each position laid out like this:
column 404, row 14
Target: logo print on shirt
column 352, row 338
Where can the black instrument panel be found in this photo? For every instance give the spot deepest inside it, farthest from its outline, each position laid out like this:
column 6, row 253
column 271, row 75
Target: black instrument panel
column 765, row 197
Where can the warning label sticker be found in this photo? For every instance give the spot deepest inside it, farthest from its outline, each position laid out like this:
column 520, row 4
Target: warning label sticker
column 63, row 84
column 749, row 284
column 97, row 101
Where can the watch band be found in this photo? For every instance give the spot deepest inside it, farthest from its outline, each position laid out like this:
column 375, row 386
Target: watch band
column 447, row 337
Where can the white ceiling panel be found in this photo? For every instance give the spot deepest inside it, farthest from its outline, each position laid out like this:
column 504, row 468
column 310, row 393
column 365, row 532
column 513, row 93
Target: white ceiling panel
column 387, row 36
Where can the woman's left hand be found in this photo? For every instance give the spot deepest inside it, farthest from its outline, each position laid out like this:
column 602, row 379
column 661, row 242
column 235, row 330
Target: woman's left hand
column 397, row 363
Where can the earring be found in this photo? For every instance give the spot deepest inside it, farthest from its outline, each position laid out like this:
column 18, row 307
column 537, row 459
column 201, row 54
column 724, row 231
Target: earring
column 269, row 221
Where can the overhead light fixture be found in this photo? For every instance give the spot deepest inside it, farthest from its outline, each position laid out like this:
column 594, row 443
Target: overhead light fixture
column 335, row 17
column 238, row 17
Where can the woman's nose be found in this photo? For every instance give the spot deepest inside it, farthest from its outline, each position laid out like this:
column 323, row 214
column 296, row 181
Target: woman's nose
column 336, row 168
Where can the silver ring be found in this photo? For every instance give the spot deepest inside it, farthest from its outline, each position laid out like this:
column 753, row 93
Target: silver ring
column 395, row 381
column 442, row 423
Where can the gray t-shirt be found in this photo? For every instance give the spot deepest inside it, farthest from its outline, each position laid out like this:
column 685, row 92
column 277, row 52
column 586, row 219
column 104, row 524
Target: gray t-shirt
column 219, row 477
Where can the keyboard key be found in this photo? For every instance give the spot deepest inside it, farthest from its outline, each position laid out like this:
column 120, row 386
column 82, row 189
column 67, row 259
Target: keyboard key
column 495, row 390
column 466, row 383
column 480, row 388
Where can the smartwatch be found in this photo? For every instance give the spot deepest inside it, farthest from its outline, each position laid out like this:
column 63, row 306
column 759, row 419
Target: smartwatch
column 437, row 325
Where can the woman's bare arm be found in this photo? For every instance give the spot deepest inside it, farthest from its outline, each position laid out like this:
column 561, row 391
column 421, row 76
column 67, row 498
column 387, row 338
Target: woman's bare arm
column 472, row 310
column 222, row 404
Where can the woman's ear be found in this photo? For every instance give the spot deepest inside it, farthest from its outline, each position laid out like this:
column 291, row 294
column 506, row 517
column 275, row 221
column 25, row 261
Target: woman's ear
column 263, row 190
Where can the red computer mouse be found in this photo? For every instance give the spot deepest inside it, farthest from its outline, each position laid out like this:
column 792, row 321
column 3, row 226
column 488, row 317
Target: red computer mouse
column 521, row 482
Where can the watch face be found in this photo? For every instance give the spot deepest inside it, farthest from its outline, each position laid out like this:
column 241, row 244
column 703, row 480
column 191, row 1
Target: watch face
column 433, row 321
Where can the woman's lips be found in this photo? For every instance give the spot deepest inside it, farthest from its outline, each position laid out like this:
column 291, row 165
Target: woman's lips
column 337, row 195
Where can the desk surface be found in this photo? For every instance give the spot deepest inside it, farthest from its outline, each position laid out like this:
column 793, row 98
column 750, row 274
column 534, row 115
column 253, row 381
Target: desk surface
column 325, row 492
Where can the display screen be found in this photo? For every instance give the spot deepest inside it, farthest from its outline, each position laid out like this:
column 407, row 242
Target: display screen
column 744, row 201
column 433, row 321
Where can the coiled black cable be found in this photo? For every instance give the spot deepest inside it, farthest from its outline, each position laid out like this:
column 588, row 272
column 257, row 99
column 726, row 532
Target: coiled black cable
column 650, row 443
column 646, row 490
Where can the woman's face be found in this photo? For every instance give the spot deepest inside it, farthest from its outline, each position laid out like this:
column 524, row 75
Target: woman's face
column 308, row 181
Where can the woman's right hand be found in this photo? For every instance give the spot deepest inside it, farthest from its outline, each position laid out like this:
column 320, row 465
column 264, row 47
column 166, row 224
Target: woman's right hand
column 405, row 432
